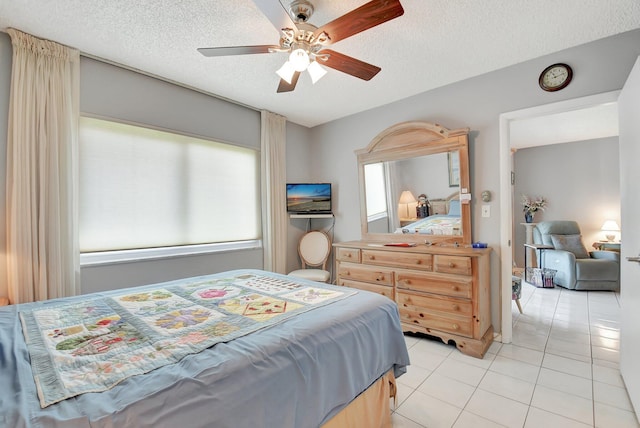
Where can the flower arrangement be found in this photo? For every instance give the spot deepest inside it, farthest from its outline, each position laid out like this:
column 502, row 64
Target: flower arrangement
column 531, row 206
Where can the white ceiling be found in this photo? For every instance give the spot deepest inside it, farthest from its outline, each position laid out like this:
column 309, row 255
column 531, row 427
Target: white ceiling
column 435, row 42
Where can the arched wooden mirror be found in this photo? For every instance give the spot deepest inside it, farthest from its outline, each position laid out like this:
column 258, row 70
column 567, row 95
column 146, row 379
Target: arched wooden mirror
column 413, row 159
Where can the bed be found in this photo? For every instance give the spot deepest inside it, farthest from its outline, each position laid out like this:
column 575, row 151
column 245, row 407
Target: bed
column 320, row 364
column 439, row 224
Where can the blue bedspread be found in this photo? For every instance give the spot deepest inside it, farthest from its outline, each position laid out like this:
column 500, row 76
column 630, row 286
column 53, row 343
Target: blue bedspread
column 298, row 373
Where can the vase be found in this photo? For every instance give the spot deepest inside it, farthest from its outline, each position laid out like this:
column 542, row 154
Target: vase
column 528, row 217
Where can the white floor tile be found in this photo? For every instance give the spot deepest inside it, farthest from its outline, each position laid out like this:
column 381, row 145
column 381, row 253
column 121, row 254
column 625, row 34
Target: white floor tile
column 537, row 418
column 425, row 359
column 463, row 372
column 414, row 376
column 608, row 416
column 508, row 387
column 526, row 355
column 399, row 421
column 607, row 375
column 561, row 403
column 515, row 368
column 469, row 420
column 611, row 395
column 498, row 409
column 429, row 411
column 607, row 354
column 446, row 389
column 403, row 392
column 569, row 347
column 564, row 382
column 567, row 365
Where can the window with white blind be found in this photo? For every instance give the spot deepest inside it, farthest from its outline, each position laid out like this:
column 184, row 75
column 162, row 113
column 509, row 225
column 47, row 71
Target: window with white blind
column 375, row 191
column 142, row 188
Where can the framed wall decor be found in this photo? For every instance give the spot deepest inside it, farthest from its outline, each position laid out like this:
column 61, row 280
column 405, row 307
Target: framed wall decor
column 454, row 169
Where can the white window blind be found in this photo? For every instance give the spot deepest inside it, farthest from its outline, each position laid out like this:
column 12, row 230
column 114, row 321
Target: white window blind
column 375, row 190
column 144, row 188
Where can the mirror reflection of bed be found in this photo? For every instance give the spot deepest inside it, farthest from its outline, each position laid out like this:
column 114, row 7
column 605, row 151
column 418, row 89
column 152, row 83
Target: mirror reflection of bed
column 443, row 219
column 388, row 183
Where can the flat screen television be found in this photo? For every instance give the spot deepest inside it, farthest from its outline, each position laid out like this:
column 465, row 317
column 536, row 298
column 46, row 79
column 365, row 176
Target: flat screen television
column 309, row 198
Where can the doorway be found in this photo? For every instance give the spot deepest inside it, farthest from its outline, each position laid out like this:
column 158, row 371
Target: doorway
column 508, row 123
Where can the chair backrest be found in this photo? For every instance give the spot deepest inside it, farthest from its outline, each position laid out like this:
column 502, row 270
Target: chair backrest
column 314, row 248
column 543, row 230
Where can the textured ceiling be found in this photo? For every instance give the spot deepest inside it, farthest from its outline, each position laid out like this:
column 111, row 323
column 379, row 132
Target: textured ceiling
column 435, row 42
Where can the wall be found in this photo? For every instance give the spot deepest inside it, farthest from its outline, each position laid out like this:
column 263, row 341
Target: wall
column 600, row 66
column 579, row 180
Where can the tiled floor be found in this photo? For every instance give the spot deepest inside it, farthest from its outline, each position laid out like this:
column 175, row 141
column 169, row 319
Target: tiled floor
column 560, row 371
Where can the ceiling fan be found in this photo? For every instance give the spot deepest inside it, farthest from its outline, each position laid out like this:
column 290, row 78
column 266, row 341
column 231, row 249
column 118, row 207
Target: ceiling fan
column 307, row 44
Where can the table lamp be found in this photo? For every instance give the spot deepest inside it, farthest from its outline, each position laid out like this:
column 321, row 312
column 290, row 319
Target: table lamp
column 406, row 198
column 610, row 228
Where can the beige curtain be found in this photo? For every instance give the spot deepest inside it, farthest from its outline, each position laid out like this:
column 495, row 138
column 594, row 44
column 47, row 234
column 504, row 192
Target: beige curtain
column 42, row 237
column 274, row 174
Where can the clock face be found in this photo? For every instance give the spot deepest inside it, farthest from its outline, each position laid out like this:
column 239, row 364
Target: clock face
column 555, row 77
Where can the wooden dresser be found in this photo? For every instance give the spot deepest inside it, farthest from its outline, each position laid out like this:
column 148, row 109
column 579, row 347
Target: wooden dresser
column 440, row 290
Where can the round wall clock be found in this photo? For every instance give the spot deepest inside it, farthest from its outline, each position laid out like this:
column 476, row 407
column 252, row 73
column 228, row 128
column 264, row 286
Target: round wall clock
column 555, row 77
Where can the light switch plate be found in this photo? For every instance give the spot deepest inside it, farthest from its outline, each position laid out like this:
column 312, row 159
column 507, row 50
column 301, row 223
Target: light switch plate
column 486, row 211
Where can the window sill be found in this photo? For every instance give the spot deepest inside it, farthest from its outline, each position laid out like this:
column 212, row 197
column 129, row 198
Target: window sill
column 130, row 256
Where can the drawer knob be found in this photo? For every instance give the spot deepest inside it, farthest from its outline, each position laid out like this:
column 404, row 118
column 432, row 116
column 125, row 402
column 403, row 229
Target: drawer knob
column 349, row 255
column 456, row 307
column 455, row 288
column 348, row 273
column 418, row 262
column 452, row 265
column 372, row 257
column 455, row 326
column 379, row 278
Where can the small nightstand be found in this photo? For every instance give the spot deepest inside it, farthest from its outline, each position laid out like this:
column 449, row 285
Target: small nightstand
column 406, row 221
column 607, row 246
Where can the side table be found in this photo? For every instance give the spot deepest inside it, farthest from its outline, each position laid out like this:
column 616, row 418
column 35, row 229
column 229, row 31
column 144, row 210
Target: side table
column 607, row 246
column 535, row 247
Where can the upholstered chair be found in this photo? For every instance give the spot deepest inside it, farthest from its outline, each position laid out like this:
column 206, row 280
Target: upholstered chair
column 577, row 268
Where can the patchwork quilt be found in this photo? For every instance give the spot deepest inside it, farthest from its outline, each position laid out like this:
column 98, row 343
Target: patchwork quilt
column 91, row 345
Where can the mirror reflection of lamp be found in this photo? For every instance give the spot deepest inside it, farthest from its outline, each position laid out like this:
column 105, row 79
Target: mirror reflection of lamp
column 405, row 207
column 610, row 228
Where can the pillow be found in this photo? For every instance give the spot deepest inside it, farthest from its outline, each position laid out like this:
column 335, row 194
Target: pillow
column 571, row 243
column 454, row 207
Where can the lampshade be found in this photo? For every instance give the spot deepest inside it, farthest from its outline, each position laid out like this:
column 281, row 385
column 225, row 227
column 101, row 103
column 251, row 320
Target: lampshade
column 286, row 72
column 316, row 71
column 407, row 197
column 610, row 227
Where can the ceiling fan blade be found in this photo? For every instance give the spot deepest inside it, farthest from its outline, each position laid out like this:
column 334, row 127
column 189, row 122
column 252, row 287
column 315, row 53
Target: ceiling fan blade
column 237, row 50
column 349, row 65
column 366, row 16
column 288, row 87
column 276, row 13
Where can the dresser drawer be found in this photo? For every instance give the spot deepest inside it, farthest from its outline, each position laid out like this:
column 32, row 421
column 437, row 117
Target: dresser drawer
column 448, row 285
column 348, row 254
column 460, row 265
column 398, row 259
column 415, row 315
column 372, row 274
column 440, row 304
column 385, row 290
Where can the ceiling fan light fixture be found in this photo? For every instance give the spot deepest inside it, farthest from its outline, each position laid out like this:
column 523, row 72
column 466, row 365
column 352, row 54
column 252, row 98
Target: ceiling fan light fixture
column 299, row 59
column 286, row 72
column 316, row 71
